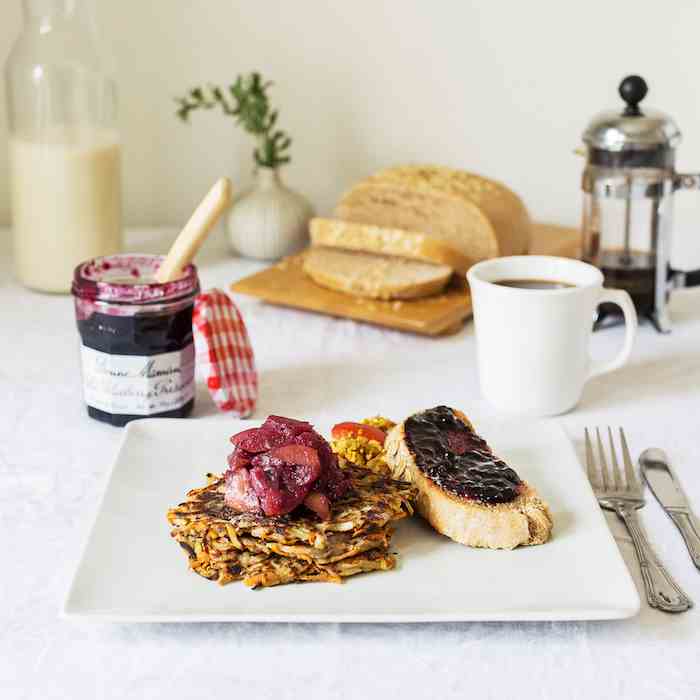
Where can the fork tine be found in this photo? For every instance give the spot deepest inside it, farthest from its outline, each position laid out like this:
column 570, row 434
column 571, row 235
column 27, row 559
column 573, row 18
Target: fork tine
column 616, row 473
column 632, row 481
column 590, row 461
column 603, row 462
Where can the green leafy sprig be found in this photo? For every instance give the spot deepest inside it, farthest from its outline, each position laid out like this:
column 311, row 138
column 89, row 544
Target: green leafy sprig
column 247, row 102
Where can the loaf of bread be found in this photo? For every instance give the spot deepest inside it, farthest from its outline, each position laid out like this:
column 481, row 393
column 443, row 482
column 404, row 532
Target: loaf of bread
column 374, row 276
column 334, row 233
column 479, row 217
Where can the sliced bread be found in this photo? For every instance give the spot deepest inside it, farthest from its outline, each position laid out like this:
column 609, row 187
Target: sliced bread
column 374, row 276
column 479, row 217
column 464, row 490
column 334, row 233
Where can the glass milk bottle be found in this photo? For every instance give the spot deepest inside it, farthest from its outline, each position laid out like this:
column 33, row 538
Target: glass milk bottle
column 64, row 147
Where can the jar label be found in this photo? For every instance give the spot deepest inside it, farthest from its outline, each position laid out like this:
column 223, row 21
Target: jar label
column 138, row 385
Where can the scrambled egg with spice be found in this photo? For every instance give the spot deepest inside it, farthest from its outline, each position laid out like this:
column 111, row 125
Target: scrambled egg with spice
column 363, row 451
column 379, row 422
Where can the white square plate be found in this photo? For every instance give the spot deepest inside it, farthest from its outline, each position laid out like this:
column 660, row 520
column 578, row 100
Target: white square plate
column 132, row 571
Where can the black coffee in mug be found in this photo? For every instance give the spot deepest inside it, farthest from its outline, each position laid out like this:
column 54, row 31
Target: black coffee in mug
column 534, row 284
column 532, row 340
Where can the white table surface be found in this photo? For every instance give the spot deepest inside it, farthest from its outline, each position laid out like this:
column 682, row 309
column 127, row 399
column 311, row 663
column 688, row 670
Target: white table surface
column 53, row 460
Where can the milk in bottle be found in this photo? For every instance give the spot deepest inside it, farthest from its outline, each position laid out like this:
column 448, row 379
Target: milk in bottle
column 64, row 147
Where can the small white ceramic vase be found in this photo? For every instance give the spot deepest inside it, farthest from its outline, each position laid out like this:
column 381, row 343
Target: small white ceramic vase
column 269, row 220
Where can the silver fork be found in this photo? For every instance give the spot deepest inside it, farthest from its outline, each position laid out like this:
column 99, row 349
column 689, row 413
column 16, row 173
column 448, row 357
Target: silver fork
column 625, row 497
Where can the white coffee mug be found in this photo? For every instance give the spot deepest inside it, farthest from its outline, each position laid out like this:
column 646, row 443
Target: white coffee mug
column 532, row 344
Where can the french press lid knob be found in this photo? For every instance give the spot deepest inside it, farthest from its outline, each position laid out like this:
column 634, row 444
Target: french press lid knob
column 633, row 89
column 628, row 131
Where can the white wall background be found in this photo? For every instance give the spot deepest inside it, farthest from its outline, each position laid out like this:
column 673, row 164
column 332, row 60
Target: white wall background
column 502, row 88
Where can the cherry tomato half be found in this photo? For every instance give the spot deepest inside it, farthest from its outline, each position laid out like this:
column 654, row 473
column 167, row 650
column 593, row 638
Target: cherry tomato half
column 350, row 429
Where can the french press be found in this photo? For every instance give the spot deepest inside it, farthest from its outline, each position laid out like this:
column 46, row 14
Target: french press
column 628, row 184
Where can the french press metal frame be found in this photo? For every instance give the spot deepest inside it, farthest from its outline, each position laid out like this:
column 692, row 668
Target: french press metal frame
column 659, row 186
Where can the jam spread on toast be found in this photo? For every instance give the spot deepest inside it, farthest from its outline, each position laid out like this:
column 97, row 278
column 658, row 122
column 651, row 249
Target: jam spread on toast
column 456, row 459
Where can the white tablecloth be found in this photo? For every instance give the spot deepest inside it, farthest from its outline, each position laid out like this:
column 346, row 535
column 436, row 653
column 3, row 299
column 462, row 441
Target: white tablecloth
column 53, row 459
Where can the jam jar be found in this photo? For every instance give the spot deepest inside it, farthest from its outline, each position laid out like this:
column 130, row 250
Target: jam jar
column 137, row 350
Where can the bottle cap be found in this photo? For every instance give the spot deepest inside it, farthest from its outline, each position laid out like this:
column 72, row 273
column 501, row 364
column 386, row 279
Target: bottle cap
column 224, row 354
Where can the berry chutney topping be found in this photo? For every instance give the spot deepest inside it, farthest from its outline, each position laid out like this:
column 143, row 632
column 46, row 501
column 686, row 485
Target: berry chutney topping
column 281, row 465
column 456, row 459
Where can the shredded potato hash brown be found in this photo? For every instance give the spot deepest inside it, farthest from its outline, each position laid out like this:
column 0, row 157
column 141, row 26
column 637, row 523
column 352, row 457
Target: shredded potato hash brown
column 224, row 545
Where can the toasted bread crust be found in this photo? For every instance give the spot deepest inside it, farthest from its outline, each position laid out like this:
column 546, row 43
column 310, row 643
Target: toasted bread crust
column 525, row 520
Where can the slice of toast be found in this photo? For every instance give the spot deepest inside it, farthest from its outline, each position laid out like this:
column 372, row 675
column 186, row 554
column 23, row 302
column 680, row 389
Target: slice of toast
column 374, row 276
column 464, row 490
column 346, row 235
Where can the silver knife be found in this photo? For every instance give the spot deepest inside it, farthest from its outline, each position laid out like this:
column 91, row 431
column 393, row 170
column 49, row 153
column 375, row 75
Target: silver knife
column 664, row 484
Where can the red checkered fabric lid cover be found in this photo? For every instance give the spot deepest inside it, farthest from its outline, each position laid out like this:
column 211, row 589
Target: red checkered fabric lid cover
column 224, row 353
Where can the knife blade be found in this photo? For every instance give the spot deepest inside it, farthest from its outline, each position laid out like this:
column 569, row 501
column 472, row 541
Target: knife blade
column 664, row 484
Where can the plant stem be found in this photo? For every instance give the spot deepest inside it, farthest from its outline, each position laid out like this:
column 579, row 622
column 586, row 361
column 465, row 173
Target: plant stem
column 249, row 105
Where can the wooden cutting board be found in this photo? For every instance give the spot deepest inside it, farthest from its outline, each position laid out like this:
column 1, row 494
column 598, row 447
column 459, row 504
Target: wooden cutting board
column 286, row 284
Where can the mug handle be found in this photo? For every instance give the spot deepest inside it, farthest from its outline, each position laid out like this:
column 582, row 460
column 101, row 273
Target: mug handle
column 624, row 301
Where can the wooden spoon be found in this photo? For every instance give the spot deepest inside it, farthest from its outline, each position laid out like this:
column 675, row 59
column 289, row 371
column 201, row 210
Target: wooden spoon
column 195, row 231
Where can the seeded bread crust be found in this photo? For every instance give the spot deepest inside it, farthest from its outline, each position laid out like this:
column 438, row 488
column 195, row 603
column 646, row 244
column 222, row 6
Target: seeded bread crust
column 480, row 217
column 334, row 233
column 525, row 520
column 374, row 276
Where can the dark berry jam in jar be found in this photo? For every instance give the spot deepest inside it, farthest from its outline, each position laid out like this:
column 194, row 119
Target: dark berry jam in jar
column 137, row 348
